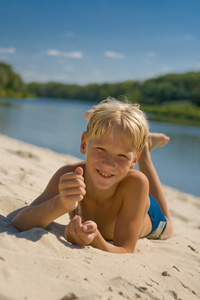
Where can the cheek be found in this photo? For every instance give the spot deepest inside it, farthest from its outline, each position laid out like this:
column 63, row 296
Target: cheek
column 93, row 156
column 124, row 166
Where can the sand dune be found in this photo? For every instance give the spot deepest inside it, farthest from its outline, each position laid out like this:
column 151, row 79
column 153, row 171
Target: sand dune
column 40, row 264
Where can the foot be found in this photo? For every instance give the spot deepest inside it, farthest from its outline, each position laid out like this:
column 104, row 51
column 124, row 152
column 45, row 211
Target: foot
column 156, row 140
column 88, row 113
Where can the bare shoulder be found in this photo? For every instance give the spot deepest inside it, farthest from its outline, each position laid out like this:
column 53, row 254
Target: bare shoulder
column 135, row 180
column 135, row 189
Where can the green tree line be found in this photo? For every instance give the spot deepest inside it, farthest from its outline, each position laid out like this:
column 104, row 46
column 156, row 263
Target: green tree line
column 171, row 87
column 177, row 95
column 11, row 83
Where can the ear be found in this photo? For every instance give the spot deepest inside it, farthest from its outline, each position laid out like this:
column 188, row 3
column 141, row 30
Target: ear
column 83, row 143
column 135, row 160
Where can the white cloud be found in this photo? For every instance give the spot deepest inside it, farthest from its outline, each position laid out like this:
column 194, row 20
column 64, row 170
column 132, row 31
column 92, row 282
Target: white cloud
column 10, row 50
column 75, row 54
column 151, row 54
column 113, row 54
column 55, row 52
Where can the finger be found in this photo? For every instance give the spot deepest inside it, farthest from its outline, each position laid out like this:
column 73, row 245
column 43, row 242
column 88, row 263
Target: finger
column 73, row 176
column 76, row 217
column 79, row 171
column 67, row 232
column 68, row 181
column 72, row 191
column 69, row 229
column 66, row 190
column 78, row 224
column 89, row 226
column 75, row 231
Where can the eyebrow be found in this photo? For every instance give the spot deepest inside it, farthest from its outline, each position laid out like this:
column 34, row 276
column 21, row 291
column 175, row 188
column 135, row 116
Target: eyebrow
column 123, row 152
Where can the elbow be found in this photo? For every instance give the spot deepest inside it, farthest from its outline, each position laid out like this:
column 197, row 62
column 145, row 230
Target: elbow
column 20, row 226
column 17, row 225
column 24, row 226
column 23, row 220
column 123, row 249
column 129, row 250
column 19, row 220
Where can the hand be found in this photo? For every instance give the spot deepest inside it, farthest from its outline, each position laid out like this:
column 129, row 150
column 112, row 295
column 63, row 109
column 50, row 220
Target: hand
column 72, row 189
column 80, row 234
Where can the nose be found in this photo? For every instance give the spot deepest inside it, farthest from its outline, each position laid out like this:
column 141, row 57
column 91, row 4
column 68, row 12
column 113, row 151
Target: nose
column 109, row 160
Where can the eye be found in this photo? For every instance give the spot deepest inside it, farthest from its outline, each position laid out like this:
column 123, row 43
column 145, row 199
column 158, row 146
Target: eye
column 100, row 149
column 122, row 156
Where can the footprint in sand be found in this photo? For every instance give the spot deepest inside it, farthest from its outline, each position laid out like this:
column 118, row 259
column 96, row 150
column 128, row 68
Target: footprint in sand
column 24, row 154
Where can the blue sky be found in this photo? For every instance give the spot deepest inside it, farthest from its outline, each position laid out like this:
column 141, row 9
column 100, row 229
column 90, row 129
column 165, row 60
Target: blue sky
column 86, row 41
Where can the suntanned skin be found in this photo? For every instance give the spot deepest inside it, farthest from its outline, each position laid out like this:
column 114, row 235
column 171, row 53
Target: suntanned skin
column 111, row 197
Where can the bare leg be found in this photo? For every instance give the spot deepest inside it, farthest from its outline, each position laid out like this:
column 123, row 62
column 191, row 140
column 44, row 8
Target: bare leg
column 146, row 166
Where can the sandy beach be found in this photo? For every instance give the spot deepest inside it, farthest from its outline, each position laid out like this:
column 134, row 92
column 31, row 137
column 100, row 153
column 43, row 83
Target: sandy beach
column 40, row 264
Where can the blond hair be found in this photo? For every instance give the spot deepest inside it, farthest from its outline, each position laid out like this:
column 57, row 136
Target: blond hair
column 110, row 114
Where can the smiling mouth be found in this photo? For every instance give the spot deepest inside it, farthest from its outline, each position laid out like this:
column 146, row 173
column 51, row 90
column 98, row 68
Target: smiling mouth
column 103, row 174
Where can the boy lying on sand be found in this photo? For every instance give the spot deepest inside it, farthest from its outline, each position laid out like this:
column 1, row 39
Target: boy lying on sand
column 107, row 200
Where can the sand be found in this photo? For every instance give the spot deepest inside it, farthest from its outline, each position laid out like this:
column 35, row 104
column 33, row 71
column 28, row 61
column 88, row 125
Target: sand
column 40, row 264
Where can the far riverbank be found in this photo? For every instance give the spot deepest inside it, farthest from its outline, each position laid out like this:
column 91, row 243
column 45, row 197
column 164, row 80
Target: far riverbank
column 58, row 125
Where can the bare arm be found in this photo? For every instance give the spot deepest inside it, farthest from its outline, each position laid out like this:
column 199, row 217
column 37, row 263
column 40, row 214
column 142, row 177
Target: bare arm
column 61, row 196
column 39, row 215
column 87, row 233
column 133, row 211
column 128, row 225
column 130, row 219
column 100, row 243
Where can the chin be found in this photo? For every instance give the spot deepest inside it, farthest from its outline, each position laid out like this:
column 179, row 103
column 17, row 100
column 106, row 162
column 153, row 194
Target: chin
column 104, row 185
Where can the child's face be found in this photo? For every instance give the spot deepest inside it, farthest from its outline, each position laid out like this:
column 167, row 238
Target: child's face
column 108, row 160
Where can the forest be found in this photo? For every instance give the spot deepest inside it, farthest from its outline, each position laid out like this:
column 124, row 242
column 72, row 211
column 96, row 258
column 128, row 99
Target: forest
column 171, row 97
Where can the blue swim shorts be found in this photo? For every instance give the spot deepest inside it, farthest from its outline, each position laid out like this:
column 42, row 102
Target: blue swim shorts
column 159, row 221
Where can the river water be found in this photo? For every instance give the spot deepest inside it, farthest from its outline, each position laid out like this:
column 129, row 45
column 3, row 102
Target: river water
column 58, row 125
